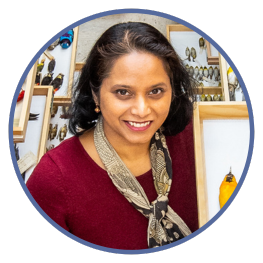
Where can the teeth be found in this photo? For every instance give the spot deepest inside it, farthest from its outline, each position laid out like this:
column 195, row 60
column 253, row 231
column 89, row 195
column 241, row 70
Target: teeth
column 139, row 124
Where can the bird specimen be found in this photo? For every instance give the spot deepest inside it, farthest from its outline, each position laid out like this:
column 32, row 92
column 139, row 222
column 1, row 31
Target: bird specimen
column 196, row 71
column 201, row 44
column 187, row 53
column 62, row 132
column 210, row 72
column 40, row 65
column 201, row 73
column 216, row 73
column 66, row 39
column 193, row 53
column 53, row 45
column 47, row 79
column 57, row 82
column 51, row 65
column 227, row 188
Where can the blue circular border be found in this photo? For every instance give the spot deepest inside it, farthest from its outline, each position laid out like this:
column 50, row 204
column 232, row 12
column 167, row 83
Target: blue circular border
column 149, row 12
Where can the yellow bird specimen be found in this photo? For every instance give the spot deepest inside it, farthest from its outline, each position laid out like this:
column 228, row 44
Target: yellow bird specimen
column 227, row 188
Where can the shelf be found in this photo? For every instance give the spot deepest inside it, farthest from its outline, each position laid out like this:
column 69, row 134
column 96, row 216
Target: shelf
column 211, row 60
column 209, row 90
column 222, row 110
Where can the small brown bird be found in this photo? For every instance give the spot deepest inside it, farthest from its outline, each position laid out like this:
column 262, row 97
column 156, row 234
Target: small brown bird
column 209, row 97
column 193, row 53
column 54, row 111
column 201, row 44
column 51, row 65
column 187, row 53
column 53, row 132
column 53, row 45
column 203, row 97
column 211, row 72
column 62, row 132
column 216, row 97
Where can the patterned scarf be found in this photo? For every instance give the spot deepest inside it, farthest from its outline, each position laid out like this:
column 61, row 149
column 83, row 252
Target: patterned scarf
column 164, row 226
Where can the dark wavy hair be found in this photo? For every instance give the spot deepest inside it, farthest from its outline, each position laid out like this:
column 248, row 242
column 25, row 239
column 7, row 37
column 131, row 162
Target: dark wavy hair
column 115, row 42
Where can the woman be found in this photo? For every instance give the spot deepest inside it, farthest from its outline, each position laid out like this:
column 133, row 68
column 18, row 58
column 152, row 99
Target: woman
column 111, row 184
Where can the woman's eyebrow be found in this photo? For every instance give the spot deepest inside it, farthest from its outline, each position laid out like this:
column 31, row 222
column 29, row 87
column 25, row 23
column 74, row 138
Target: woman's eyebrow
column 158, row 85
column 121, row 86
column 130, row 87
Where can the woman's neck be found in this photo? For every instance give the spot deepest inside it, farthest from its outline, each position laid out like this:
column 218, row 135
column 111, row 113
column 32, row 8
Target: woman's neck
column 128, row 151
column 136, row 156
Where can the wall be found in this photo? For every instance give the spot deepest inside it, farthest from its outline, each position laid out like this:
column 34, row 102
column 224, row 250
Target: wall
column 89, row 32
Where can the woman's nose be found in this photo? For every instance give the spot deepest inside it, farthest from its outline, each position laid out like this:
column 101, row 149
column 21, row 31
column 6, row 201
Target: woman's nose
column 141, row 107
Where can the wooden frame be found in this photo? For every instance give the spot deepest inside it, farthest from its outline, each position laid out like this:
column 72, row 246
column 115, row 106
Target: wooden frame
column 71, row 70
column 79, row 66
column 48, row 92
column 49, row 55
column 19, row 132
column 177, row 27
column 207, row 111
column 223, row 74
column 203, row 90
column 211, row 60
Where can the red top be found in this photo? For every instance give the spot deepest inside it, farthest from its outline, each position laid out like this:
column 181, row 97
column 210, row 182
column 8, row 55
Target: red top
column 79, row 195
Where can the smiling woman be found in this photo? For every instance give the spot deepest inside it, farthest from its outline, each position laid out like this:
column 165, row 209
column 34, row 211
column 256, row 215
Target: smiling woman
column 133, row 91
column 143, row 97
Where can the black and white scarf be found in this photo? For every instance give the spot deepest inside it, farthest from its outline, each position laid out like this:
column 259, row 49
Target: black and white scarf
column 165, row 226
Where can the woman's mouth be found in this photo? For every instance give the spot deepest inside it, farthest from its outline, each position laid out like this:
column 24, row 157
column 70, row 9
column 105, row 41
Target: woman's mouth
column 138, row 126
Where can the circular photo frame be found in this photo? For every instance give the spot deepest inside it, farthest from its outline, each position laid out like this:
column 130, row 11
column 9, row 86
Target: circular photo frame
column 193, row 57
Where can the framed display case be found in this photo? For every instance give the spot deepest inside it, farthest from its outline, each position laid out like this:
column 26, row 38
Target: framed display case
column 37, row 129
column 41, row 98
column 215, row 111
column 65, row 63
column 226, row 117
column 21, row 114
column 186, row 43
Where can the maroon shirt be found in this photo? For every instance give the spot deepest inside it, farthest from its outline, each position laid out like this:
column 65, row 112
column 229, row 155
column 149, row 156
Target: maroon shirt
column 79, row 195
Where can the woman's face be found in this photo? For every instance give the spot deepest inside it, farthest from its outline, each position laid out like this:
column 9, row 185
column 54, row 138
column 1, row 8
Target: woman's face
column 135, row 98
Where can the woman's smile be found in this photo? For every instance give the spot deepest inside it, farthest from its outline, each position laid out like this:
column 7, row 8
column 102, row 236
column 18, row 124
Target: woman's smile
column 138, row 126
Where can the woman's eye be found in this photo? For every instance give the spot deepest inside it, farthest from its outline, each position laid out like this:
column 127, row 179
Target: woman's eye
column 122, row 92
column 156, row 91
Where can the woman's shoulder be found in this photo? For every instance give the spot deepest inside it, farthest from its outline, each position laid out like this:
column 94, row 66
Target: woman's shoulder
column 67, row 162
column 68, row 152
column 57, row 160
column 185, row 137
column 64, row 147
column 48, row 166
